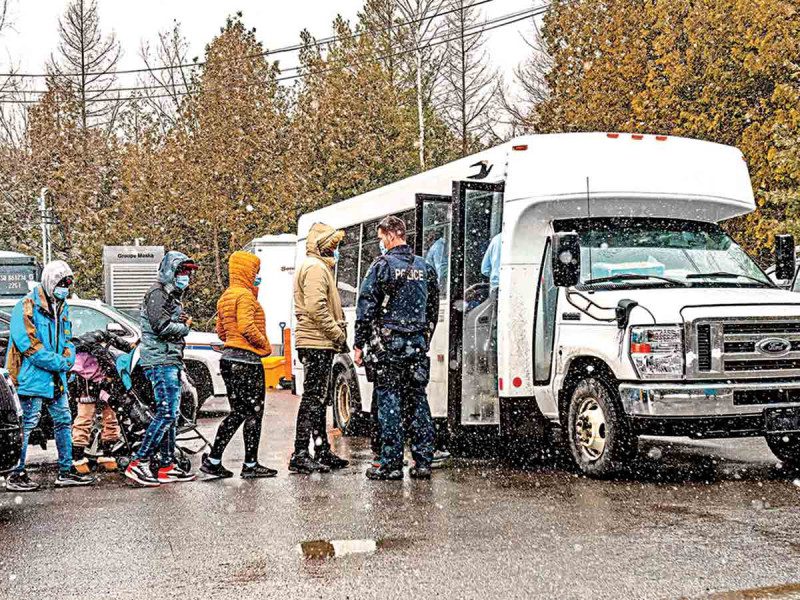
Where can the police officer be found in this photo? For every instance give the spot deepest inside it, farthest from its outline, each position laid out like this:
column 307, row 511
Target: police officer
column 397, row 312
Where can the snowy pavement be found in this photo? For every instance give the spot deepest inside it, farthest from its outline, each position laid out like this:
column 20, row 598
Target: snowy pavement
column 713, row 519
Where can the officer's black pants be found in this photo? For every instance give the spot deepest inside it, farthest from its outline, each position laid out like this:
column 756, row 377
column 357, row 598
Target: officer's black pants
column 246, row 395
column 311, row 414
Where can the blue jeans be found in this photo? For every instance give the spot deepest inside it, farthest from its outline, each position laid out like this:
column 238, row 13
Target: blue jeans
column 160, row 434
column 400, row 392
column 62, row 428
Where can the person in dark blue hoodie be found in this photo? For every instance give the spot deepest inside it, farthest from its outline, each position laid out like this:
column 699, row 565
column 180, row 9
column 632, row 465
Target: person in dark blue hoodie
column 164, row 326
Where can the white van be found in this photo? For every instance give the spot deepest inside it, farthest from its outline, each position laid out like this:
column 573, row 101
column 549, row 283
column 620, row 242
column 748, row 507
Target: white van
column 622, row 308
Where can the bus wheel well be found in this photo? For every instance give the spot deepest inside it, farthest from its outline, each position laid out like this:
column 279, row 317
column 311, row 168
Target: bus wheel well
column 580, row 368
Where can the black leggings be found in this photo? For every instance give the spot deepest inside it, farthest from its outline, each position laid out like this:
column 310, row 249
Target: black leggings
column 246, row 395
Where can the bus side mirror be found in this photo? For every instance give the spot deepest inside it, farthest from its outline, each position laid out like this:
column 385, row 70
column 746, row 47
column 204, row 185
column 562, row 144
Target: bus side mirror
column 784, row 257
column 566, row 259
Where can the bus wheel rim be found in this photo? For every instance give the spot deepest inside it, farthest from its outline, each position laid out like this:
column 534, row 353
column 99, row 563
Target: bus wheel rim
column 343, row 402
column 591, row 429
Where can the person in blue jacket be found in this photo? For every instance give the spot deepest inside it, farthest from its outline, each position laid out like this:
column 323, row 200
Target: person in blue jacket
column 398, row 309
column 39, row 356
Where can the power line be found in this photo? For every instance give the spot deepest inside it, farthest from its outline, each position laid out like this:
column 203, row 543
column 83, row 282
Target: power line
column 283, row 50
column 485, row 26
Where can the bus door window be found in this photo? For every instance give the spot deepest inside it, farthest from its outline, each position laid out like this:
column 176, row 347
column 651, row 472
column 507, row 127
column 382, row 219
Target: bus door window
column 436, row 217
column 347, row 266
column 482, row 214
column 545, row 327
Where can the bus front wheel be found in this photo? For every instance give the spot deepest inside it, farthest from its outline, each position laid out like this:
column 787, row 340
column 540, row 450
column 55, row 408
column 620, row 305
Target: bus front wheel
column 786, row 447
column 597, row 432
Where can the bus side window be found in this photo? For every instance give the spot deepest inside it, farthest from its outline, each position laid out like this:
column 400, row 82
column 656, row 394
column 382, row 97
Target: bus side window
column 545, row 325
column 347, row 267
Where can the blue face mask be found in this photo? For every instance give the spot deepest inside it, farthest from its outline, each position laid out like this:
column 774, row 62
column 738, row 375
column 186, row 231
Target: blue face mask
column 182, row 282
column 61, row 293
column 382, row 247
column 336, row 254
column 257, row 281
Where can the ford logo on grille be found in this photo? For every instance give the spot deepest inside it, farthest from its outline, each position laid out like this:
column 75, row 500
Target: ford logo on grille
column 773, row 346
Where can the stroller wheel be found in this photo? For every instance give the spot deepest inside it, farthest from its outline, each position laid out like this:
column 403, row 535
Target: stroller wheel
column 123, row 462
column 184, row 464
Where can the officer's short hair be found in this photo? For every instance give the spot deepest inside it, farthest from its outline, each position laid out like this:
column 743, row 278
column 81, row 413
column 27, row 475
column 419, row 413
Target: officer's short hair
column 392, row 224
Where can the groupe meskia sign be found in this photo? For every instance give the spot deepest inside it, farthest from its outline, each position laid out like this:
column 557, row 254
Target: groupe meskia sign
column 132, row 254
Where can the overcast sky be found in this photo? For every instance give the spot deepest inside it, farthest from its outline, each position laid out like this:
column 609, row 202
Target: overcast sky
column 34, row 32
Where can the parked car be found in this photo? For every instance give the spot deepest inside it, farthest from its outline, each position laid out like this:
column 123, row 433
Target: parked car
column 10, row 423
column 200, row 357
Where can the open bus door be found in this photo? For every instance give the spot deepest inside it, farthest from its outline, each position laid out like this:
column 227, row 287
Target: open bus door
column 432, row 241
column 473, row 398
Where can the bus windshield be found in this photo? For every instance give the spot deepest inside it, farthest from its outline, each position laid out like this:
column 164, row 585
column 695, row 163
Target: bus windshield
column 635, row 252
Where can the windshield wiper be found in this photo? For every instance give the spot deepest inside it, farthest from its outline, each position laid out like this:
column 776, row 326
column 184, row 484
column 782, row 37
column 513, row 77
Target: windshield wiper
column 726, row 274
column 631, row 276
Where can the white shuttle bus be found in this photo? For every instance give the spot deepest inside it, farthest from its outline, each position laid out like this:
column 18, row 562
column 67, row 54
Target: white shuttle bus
column 622, row 309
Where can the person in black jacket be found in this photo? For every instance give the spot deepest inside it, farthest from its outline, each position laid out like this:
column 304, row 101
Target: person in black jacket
column 398, row 309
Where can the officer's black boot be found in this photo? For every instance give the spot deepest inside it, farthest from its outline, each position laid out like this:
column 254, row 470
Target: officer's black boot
column 420, row 472
column 301, row 462
column 381, row 474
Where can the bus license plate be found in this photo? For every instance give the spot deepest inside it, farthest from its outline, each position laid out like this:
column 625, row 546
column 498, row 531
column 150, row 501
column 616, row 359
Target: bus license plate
column 782, row 420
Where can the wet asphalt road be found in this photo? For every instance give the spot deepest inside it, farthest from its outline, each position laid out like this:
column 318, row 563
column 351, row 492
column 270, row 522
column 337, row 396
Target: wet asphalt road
column 710, row 520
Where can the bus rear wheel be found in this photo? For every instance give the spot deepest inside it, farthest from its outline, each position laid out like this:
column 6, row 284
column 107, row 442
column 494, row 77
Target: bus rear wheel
column 597, row 432
column 346, row 411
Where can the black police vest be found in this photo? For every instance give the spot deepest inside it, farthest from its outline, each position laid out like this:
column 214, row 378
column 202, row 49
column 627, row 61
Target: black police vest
column 406, row 285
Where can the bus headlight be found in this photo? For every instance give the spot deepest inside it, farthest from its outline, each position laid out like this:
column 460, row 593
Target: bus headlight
column 657, row 352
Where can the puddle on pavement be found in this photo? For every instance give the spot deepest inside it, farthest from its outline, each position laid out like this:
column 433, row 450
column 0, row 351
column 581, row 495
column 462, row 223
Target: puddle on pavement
column 788, row 590
column 324, row 549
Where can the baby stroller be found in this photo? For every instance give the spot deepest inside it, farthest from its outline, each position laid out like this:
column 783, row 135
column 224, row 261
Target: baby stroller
column 129, row 393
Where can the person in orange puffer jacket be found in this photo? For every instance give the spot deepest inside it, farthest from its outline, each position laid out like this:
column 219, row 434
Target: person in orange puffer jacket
column 241, row 326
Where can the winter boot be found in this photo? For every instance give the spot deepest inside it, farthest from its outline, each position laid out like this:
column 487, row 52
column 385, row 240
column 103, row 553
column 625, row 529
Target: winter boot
column 302, row 463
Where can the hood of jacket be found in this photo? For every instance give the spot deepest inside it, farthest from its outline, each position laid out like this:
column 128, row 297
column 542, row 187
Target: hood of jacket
column 53, row 272
column 169, row 265
column 321, row 241
column 243, row 267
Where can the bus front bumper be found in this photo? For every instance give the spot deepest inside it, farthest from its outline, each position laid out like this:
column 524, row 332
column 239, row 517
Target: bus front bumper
column 707, row 399
column 712, row 410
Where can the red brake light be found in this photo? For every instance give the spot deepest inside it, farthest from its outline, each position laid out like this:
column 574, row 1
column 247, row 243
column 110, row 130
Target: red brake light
column 613, row 136
column 640, row 348
column 661, row 138
column 520, row 147
column 637, row 136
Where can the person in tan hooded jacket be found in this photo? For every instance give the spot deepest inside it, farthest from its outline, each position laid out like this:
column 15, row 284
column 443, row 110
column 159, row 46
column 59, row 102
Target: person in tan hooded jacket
column 320, row 332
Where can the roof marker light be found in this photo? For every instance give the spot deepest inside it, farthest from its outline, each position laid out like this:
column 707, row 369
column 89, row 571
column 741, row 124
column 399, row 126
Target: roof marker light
column 637, row 136
column 520, row 147
column 613, row 136
column 661, row 138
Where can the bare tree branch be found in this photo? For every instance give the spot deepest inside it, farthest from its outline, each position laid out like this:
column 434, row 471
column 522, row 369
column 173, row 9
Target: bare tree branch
column 87, row 63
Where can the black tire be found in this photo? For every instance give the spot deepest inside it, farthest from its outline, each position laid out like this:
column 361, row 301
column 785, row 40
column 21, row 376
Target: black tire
column 598, row 434
column 346, row 407
column 786, row 447
column 183, row 463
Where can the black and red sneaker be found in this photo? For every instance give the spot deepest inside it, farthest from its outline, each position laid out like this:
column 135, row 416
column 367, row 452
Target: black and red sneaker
column 174, row 474
column 141, row 474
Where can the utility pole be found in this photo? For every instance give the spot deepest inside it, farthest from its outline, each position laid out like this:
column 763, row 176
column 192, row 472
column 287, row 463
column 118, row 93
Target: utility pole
column 45, row 227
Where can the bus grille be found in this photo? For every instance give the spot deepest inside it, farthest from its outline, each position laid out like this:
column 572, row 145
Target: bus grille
column 745, row 349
